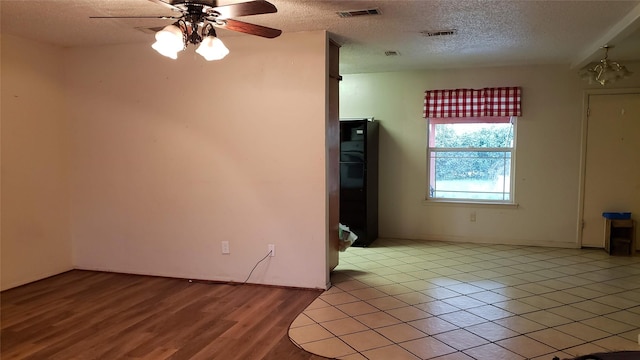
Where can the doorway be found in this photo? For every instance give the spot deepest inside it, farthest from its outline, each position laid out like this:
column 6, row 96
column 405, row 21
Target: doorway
column 611, row 160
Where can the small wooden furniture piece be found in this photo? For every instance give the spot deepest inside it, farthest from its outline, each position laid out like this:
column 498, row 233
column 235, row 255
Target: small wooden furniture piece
column 619, row 236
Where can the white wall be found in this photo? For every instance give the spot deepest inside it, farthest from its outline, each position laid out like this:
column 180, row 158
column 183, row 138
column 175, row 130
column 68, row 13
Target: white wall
column 36, row 241
column 172, row 157
column 547, row 160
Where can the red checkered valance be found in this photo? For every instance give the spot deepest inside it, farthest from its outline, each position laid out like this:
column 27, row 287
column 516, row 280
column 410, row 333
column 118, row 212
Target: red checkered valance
column 502, row 101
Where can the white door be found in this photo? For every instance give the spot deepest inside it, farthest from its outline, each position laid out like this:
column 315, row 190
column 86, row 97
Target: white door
column 612, row 167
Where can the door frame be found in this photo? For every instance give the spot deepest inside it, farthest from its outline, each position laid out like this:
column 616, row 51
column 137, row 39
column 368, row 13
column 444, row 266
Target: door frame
column 583, row 147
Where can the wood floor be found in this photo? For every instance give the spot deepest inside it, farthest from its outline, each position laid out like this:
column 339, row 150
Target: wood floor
column 95, row 315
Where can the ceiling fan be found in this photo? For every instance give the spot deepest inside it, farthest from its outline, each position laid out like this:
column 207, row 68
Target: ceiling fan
column 196, row 23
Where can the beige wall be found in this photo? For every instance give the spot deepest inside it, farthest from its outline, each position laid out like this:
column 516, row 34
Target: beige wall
column 154, row 162
column 36, row 240
column 547, row 163
column 172, row 157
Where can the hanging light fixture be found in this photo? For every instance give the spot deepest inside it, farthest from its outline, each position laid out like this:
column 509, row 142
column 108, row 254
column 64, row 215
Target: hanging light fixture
column 211, row 48
column 604, row 72
column 195, row 24
column 175, row 38
column 170, row 41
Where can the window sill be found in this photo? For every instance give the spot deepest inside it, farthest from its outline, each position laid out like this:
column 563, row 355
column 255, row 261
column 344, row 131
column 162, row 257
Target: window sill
column 482, row 204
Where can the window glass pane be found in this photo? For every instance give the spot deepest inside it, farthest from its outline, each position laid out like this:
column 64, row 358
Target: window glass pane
column 471, row 175
column 475, row 135
column 471, row 159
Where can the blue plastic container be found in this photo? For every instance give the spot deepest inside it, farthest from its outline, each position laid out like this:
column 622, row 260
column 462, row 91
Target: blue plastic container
column 617, row 215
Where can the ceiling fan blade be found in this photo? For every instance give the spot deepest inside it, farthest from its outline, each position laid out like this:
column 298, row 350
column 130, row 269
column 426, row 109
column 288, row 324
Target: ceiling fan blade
column 255, row 7
column 136, row 17
column 251, row 29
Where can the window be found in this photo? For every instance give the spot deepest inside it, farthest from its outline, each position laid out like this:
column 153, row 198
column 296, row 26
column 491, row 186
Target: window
column 471, row 145
column 471, row 158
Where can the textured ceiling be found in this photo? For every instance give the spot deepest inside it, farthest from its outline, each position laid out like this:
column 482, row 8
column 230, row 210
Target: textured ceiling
column 489, row 32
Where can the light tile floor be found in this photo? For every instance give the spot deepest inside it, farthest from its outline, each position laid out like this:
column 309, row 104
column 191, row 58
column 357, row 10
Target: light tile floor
column 403, row 299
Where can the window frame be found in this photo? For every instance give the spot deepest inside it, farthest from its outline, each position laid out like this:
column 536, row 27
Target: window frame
column 512, row 150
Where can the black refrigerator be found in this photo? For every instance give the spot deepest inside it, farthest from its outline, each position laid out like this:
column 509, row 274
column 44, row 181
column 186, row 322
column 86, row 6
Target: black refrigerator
column 359, row 178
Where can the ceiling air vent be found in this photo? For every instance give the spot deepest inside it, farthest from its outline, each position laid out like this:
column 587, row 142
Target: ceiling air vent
column 430, row 33
column 352, row 13
column 391, row 53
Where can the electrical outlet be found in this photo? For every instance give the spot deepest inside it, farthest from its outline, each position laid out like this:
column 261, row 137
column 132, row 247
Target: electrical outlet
column 272, row 250
column 472, row 217
column 225, row 247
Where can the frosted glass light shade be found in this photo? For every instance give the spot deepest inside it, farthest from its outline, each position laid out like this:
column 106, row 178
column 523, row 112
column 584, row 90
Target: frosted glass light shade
column 169, row 41
column 212, row 48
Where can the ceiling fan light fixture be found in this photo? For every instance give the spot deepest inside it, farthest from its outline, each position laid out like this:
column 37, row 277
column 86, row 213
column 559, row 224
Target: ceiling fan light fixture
column 169, row 41
column 165, row 51
column 196, row 15
column 604, row 72
column 211, row 48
